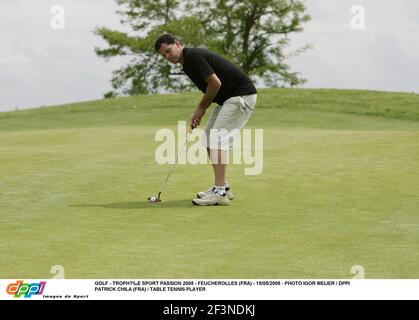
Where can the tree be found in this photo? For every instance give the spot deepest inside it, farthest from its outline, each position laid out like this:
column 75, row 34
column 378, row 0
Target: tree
column 254, row 33
column 251, row 33
column 145, row 72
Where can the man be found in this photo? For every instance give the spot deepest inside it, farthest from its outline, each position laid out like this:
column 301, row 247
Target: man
column 223, row 83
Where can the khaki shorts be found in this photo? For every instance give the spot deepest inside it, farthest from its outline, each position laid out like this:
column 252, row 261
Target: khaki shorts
column 225, row 122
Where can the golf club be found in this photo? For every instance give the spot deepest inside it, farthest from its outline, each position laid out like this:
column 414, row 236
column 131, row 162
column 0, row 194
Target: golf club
column 153, row 199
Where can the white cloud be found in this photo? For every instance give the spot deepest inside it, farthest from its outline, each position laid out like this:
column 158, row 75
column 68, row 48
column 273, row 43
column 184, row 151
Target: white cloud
column 10, row 54
column 41, row 66
column 383, row 56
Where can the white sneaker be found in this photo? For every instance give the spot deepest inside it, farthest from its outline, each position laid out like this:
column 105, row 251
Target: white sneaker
column 204, row 194
column 214, row 198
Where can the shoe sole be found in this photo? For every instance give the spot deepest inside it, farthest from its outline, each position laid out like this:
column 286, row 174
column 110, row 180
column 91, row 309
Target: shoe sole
column 207, row 205
column 199, row 197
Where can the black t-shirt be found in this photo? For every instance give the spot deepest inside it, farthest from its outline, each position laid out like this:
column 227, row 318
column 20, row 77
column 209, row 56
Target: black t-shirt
column 198, row 64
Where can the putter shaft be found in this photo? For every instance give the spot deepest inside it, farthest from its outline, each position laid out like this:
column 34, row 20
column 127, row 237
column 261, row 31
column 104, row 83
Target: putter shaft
column 174, row 164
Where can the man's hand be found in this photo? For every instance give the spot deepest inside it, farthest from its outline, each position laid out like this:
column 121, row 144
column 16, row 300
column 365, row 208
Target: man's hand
column 197, row 116
column 214, row 85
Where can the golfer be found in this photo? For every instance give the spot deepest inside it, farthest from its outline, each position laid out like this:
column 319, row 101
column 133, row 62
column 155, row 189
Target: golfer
column 225, row 84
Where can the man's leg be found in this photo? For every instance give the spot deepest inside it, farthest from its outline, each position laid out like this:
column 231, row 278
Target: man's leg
column 219, row 160
column 233, row 115
column 218, row 194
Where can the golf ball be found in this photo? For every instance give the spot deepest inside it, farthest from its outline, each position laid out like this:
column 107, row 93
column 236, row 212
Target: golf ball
column 152, row 199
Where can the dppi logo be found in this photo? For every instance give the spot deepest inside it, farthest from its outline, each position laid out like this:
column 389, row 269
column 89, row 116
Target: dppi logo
column 27, row 290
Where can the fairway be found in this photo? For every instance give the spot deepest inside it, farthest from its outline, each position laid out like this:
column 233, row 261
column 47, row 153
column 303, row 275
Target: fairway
column 339, row 188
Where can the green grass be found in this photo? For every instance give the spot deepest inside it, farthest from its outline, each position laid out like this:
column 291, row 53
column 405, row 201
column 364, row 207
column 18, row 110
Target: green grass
column 340, row 187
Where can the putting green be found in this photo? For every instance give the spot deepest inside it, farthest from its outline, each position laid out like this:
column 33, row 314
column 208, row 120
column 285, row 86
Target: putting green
column 339, row 188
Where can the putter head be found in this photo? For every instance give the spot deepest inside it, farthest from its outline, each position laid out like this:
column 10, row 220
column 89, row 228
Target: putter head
column 153, row 199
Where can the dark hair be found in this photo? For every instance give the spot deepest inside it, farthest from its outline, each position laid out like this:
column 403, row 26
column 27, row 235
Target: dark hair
column 166, row 38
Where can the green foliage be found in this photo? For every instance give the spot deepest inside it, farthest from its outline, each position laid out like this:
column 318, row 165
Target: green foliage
column 143, row 14
column 251, row 33
column 254, row 33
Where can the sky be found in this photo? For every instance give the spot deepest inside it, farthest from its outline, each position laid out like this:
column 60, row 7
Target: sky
column 41, row 65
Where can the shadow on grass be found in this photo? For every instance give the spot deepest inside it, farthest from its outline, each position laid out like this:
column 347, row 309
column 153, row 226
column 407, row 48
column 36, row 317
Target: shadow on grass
column 187, row 203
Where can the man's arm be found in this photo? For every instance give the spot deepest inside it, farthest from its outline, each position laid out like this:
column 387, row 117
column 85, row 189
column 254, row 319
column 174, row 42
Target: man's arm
column 214, row 85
